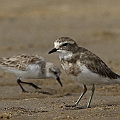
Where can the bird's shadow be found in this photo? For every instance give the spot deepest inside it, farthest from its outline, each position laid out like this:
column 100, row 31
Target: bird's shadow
column 43, row 92
column 38, row 92
column 74, row 108
column 93, row 107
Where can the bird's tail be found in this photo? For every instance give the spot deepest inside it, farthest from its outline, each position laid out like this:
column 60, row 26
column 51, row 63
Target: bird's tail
column 117, row 80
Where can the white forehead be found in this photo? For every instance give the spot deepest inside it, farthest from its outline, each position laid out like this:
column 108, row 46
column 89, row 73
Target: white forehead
column 58, row 44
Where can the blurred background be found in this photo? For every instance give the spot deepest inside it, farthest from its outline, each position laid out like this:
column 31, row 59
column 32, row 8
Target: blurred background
column 31, row 26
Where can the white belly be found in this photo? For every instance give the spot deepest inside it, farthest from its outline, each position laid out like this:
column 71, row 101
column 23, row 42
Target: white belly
column 32, row 71
column 87, row 77
column 79, row 72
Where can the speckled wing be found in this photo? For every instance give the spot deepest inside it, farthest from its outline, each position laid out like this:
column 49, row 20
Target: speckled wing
column 22, row 61
column 95, row 64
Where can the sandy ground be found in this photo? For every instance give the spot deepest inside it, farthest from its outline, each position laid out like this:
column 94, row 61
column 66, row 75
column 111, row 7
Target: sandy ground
column 28, row 26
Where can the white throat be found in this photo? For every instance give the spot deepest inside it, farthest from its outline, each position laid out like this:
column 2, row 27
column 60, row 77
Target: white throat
column 64, row 54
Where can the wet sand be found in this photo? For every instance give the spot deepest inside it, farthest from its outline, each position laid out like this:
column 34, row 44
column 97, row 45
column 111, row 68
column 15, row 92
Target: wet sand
column 31, row 27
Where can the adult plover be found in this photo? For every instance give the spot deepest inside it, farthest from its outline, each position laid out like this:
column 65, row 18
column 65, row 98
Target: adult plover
column 83, row 66
column 30, row 67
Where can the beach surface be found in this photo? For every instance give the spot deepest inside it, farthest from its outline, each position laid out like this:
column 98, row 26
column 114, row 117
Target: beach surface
column 31, row 27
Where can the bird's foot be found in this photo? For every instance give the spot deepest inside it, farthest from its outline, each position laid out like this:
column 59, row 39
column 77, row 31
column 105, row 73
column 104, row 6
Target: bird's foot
column 35, row 86
column 24, row 91
column 73, row 105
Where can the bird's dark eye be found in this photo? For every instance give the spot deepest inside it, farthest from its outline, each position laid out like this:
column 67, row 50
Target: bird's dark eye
column 55, row 73
column 65, row 44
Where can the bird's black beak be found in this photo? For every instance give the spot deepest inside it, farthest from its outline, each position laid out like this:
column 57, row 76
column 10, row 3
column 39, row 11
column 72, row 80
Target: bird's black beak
column 58, row 79
column 53, row 50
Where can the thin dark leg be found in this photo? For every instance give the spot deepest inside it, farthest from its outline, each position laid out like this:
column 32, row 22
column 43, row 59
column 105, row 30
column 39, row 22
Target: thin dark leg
column 19, row 81
column 33, row 85
column 84, row 91
column 89, row 102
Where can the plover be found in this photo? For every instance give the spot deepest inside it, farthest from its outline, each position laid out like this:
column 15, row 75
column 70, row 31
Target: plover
column 26, row 66
column 83, row 66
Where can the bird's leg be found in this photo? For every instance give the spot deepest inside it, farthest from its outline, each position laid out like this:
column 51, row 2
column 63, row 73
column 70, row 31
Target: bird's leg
column 84, row 91
column 93, row 89
column 19, row 81
column 33, row 85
